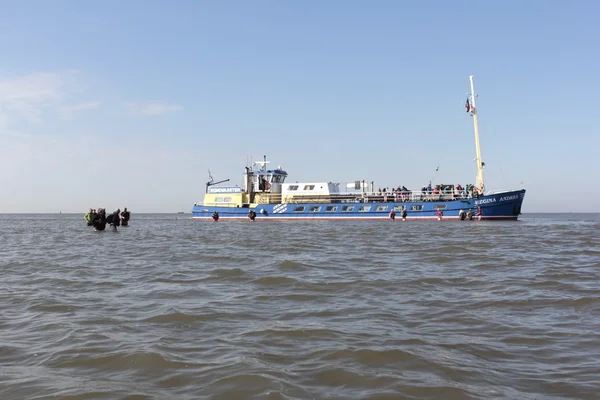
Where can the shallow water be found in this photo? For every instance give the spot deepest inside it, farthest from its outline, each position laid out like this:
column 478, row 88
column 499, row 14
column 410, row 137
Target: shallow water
column 175, row 308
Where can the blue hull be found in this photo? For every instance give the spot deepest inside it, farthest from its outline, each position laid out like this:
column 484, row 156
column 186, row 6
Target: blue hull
column 498, row 206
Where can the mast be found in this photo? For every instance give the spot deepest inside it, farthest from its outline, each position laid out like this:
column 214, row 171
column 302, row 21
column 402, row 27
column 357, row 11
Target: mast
column 479, row 179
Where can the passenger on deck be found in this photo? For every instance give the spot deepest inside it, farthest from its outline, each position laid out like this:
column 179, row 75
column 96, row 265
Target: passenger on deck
column 263, row 184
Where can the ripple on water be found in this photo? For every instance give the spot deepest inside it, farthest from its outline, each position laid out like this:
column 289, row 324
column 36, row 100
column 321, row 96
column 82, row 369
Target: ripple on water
column 331, row 310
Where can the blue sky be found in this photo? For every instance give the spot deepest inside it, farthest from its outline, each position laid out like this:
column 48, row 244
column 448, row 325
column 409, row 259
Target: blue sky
column 129, row 103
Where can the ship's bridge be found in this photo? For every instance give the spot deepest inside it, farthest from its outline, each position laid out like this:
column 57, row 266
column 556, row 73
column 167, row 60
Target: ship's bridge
column 263, row 179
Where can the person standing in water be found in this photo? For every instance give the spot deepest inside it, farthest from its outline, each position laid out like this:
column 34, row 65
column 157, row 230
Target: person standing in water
column 89, row 216
column 125, row 215
column 114, row 219
column 99, row 220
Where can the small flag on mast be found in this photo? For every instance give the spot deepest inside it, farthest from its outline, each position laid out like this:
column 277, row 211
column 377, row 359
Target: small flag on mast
column 468, row 105
column 210, row 176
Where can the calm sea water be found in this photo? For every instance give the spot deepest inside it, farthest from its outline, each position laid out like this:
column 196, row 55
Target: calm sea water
column 171, row 308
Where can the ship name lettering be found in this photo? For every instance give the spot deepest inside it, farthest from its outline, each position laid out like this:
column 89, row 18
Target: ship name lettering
column 225, row 190
column 485, row 201
column 513, row 197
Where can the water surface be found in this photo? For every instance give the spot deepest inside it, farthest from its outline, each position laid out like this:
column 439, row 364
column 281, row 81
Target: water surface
column 175, row 308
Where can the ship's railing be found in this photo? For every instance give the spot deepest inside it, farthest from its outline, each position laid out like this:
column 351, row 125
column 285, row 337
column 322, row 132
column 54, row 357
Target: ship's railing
column 353, row 197
column 377, row 197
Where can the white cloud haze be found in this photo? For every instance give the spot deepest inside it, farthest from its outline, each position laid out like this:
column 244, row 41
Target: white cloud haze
column 51, row 162
column 152, row 108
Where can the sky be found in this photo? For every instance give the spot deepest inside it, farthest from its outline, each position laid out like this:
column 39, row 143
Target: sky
column 130, row 103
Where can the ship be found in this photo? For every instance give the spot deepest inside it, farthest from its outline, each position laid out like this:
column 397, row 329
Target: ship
column 265, row 195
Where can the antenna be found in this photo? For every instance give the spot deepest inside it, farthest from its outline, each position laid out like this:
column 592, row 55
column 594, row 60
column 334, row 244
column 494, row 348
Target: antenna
column 436, row 171
column 263, row 163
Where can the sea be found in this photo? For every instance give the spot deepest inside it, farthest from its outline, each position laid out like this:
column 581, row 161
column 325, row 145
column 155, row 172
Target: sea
column 173, row 308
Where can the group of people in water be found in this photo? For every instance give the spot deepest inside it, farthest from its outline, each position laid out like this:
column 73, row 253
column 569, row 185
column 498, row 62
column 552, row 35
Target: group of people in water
column 469, row 214
column 251, row 215
column 440, row 214
column 461, row 215
column 98, row 218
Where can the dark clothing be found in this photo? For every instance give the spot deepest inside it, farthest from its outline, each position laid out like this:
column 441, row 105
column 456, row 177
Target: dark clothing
column 99, row 221
column 125, row 218
column 114, row 219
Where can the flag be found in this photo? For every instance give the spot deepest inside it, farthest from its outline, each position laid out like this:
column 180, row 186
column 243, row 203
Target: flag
column 210, row 177
column 468, row 105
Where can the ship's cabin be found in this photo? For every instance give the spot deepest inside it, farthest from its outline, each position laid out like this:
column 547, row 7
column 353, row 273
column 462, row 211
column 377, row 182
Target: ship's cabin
column 263, row 179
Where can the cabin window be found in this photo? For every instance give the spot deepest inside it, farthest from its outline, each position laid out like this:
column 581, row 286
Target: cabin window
column 347, row 208
column 416, row 207
column 381, row 208
column 299, row 209
column 309, row 187
column 399, row 208
column 315, row 209
column 331, row 209
column 439, row 206
column 222, row 199
column 364, row 208
column 293, row 187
